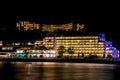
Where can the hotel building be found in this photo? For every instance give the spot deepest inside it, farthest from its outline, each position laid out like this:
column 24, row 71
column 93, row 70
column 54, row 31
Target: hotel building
column 66, row 27
column 26, row 25
column 81, row 46
column 66, row 46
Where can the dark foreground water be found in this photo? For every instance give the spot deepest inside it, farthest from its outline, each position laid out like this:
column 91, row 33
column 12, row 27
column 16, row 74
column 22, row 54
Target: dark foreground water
column 58, row 71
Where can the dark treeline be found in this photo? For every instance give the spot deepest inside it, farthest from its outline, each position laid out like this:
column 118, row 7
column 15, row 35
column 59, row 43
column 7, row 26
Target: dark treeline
column 20, row 36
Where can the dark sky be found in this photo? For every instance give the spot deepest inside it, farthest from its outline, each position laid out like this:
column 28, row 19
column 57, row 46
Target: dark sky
column 97, row 16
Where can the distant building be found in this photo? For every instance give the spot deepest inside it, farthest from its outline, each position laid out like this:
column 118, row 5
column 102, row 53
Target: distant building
column 26, row 25
column 52, row 28
column 7, row 51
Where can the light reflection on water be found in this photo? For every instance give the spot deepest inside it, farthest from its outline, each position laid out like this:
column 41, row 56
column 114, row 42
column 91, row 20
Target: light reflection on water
column 58, row 71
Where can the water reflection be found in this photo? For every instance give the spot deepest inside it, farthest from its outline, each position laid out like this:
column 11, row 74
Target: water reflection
column 58, row 71
column 7, row 71
column 116, row 73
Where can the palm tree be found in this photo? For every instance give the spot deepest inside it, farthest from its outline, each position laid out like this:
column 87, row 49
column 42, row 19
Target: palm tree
column 61, row 50
column 70, row 51
column 42, row 48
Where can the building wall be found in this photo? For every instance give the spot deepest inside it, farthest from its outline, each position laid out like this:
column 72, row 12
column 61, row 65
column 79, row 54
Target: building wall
column 49, row 42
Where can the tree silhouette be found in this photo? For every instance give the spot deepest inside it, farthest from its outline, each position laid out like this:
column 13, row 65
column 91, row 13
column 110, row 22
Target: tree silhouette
column 61, row 50
column 70, row 51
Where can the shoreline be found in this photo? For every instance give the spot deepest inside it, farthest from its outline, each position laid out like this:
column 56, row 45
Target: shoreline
column 70, row 60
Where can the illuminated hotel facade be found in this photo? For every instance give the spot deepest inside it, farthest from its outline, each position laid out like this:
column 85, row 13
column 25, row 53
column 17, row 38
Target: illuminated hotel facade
column 81, row 46
column 66, row 46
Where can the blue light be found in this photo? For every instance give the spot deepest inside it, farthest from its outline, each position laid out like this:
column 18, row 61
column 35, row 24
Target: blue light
column 20, row 55
column 108, row 45
column 101, row 37
column 115, row 53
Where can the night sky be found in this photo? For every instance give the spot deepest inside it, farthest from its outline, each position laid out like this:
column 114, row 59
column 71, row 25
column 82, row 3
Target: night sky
column 99, row 17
